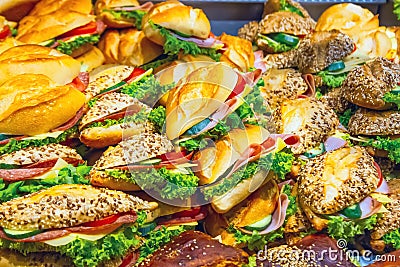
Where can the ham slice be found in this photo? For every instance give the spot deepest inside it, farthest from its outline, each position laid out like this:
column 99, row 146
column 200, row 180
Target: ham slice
column 181, row 220
column 383, row 188
column 57, row 233
column 333, row 143
column 309, row 79
column 210, row 42
column 145, row 7
column 51, row 162
column 71, row 123
column 14, row 175
column 278, row 217
column 259, row 62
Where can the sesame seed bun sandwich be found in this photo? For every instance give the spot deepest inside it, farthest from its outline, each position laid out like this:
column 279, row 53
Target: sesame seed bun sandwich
column 128, row 47
column 342, row 191
column 188, row 33
column 259, row 219
column 203, row 99
column 272, row 6
column 146, row 161
column 310, row 119
column 238, row 164
column 66, row 26
column 193, row 248
column 67, row 218
column 282, row 31
column 121, row 13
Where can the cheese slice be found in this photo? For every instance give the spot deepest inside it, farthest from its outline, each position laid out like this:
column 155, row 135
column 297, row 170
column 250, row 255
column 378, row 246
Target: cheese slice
column 175, row 227
column 147, row 73
column 71, row 237
column 381, row 198
column 44, row 136
column 60, row 164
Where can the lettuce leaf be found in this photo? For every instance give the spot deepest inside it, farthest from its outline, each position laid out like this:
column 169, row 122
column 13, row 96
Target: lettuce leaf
column 252, row 261
column 392, row 146
column 392, row 238
column 390, row 97
column 69, row 47
column 282, row 163
column 155, row 239
column 92, row 102
column 292, row 207
column 159, row 62
column 396, row 8
column 276, row 46
column 345, row 117
column 332, row 80
column 173, row 45
column 137, row 15
column 139, row 117
column 147, row 90
column 339, row 228
column 168, row 183
column 15, row 145
column 67, row 175
column 285, row 6
column 157, row 117
column 85, row 253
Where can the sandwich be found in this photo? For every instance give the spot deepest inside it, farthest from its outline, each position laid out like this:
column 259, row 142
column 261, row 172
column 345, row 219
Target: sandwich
column 258, row 220
column 239, row 163
column 249, row 31
column 282, row 31
column 8, row 28
column 193, row 248
column 129, row 47
column 377, row 129
column 385, row 234
column 308, row 118
column 188, row 33
column 66, row 26
column 31, row 169
column 36, row 59
column 15, row 10
column 320, row 50
column 279, row 85
column 238, row 53
column 272, row 6
column 121, row 13
column 54, row 220
column 113, row 117
column 203, row 99
column 373, row 85
column 146, row 162
column 341, row 191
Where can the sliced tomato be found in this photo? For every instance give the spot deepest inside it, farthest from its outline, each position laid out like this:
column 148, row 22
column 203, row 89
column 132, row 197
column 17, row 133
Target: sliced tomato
column 188, row 213
column 378, row 169
column 78, row 84
column 5, row 32
column 135, row 73
column 127, row 260
column 89, row 28
column 104, row 221
column 239, row 87
column 354, row 48
column 171, row 156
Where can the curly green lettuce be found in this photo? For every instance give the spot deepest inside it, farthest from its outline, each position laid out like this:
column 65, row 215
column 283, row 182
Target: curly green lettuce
column 331, row 80
column 394, row 98
column 392, row 238
column 282, row 163
column 396, row 8
column 92, row 102
column 285, row 6
column 170, row 184
column 85, row 253
column 345, row 117
column 157, row 117
column 173, row 45
column 67, row 175
column 276, row 46
column 392, row 146
column 69, row 47
column 139, row 117
column 136, row 15
column 339, row 228
column 147, row 89
column 15, row 145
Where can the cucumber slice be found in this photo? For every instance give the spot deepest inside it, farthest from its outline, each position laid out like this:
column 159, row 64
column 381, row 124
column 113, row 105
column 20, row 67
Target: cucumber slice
column 147, row 228
column 352, row 212
column 395, row 91
column 150, row 162
column 115, row 86
column 284, row 38
column 198, row 127
column 182, row 34
column 315, row 151
column 4, row 137
column 48, row 42
column 336, row 66
column 18, row 234
column 260, row 225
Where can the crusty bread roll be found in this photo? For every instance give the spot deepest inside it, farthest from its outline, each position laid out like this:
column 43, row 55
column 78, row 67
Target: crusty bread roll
column 100, row 178
column 199, row 95
column 37, row 59
column 51, row 18
column 243, row 138
column 191, row 21
column 108, row 18
column 128, row 47
column 15, row 10
column 238, row 53
column 92, row 59
column 32, row 104
column 287, row 22
column 8, row 43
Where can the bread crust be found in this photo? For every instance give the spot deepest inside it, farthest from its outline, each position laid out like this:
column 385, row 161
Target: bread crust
column 92, row 58
column 286, row 22
column 108, row 18
column 239, row 52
